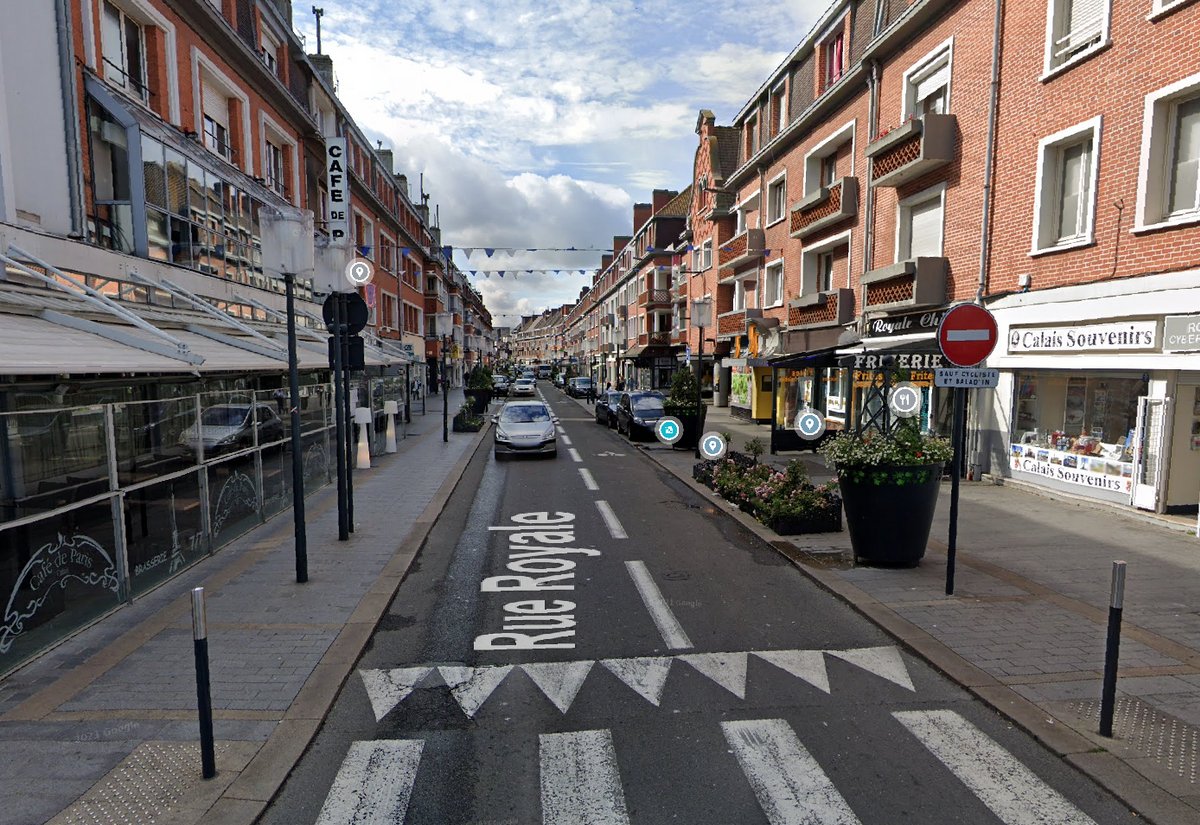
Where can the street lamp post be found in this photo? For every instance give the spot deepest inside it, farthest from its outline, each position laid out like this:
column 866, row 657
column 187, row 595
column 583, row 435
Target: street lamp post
column 701, row 317
column 445, row 326
column 287, row 248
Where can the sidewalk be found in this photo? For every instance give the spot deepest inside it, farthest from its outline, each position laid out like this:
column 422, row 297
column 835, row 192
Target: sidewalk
column 1025, row 629
column 103, row 728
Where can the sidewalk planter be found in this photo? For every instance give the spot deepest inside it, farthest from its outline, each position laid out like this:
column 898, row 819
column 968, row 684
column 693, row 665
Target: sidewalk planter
column 889, row 511
column 826, row 520
column 693, row 427
column 784, row 500
column 479, row 399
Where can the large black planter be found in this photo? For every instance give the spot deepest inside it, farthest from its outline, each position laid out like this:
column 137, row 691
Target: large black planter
column 479, row 399
column 889, row 511
column 693, row 428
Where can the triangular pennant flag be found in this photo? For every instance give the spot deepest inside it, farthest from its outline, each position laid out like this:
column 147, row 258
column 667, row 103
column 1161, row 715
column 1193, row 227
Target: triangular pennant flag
column 404, row 251
column 808, row 665
column 511, row 252
column 726, row 669
column 532, row 249
column 467, row 250
column 690, row 248
column 766, row 253
column 560, row 681
column 500, row 273
column 647, row 675
column 489, row 252
column 882, row 661
column 387, row 688
column 531, row 271
column 472, row 686
column 448, row 251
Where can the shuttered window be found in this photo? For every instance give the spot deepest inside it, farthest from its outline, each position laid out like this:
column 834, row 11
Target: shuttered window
column 1078, row 26
column 924, row 228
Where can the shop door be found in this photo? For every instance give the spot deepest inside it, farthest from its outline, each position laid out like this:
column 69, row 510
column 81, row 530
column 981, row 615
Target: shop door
column 1148, row 451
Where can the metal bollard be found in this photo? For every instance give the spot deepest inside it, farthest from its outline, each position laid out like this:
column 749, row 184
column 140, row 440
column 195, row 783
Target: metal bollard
column 1112, row 649
column 203, row 693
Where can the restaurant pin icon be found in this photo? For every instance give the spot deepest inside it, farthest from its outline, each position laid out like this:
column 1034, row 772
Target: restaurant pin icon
column 905, row 400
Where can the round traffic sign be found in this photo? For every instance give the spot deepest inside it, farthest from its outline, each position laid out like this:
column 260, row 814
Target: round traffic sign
column 713, row 446
column 668, row 430
column 905, row 400
column 356, row 314
column 967, row 335
column 810, row 424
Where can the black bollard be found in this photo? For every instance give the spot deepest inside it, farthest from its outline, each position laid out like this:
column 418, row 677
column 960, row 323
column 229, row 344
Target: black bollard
column 1112, row 649
column 208, row 758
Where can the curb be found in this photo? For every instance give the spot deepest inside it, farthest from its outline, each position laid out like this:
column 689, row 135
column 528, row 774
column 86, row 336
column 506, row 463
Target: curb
column 248, row 796
column 1087, row 754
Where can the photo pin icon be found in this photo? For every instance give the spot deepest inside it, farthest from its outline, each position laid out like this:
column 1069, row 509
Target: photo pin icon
column 359, row 272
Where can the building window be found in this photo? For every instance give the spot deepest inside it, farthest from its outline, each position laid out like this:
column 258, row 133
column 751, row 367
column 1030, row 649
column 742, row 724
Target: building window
column 772, row 292
column 821, row 164
column 920, row 225
column 1066, row 185
column 751, row 137
column 927, row 84
column 779, row 113
column 776, row 199
column 739, row 295
column 273, row 161
column 1169, row 174
column 123, row 47
column 1075, row 29
column 833, row 58
column 1164, row 6
column 216, row 138
column 706, row 255
column 823, row 262
column 824, row 271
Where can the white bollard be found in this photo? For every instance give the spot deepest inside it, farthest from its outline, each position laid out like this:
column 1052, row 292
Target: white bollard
column 390, row 409
column 362, row 417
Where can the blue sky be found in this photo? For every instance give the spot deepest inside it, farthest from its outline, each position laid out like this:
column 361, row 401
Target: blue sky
column 538, row 123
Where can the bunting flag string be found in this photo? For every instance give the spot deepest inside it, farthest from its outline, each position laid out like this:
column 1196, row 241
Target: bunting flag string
column 487, row 273
column 512, row 250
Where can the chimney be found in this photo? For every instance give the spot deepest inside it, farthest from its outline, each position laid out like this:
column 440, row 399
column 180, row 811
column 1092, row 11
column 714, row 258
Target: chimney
column 323, row 65
column 402, row 180
column 605, row 262
column 385, row 157
column 619, row 243
column 662, row 197
column 641, row 213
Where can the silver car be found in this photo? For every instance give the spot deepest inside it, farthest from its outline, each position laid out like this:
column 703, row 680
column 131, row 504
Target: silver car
column 525, row 428
column 523, row 386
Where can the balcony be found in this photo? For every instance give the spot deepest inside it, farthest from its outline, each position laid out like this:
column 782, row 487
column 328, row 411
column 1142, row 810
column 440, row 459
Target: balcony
column 914, row 148
column 911, row 284
column 679, row 337
column 679, row 293
column 825, row 207
column 732, row 324
column 741, row 250
column 655, row 299
column 821, row 309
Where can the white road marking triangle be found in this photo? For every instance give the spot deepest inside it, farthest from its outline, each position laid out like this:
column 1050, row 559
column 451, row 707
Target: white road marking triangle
column 647, row 674
column 387, row 688
column 472, row 686
column 726, row 669
column 882, row 661
column 808, row 665
column 560, row 681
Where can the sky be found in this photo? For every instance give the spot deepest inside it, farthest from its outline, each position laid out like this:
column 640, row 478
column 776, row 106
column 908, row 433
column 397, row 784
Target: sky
column 539, row 123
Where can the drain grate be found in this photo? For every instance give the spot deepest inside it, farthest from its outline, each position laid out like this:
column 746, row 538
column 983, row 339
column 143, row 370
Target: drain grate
column 145, row 788
column 1173, row 744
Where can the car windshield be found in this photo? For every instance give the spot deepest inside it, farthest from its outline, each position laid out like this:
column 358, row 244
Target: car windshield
column 648, row 404
column 613, row 397
column 223, row 416
column 524, row 414
column 583, row 382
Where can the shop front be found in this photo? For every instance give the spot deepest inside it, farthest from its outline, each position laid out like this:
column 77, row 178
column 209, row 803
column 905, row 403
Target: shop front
column 1100, row 397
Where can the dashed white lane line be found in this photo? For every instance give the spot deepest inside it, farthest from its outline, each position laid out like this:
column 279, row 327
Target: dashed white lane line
column 560, row 430
column 610, row 520
column 588, row 481
column 374, row 784
column 789, row 783
column 652, row 597
column 1014, row 793
column 566, row 439
column 575, row 456
column 581, row 784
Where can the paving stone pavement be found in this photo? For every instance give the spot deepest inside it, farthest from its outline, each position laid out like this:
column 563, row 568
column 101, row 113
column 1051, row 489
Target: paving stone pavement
column 71, row 716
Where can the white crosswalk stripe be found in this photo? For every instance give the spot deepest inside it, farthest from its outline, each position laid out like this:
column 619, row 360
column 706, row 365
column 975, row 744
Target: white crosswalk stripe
column 1014, row 793
column 790, row 785
column 374, row 784
column 580, row 781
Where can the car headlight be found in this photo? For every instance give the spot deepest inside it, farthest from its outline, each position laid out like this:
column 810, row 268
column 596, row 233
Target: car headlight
column 229, row 439
column 637, row 420
column 548, row 435
column 501, row 435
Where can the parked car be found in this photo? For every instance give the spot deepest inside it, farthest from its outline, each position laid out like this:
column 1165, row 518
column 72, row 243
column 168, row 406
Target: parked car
column 560, row 380
column 638, row 412
column 499, row 384
column 525, row 428
column 606, row 408
column 225, row 428
column 578, row 387
column 523, row 386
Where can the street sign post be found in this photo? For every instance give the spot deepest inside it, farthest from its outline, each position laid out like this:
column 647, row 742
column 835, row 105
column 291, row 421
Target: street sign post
column 967, row 335
column 968, row 378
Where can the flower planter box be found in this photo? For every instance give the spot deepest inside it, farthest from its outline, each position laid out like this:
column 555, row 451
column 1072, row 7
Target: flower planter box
column 889, row 511
column 480, row 399
column 466, row 425
column 828, row 520
column 702, row 472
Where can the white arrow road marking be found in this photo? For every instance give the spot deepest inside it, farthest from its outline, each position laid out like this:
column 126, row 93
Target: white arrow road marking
column 580, row 781
column 645, row 674
column 575, row 456
column 472, row 686
column 588, row 481
column 1013, row 792
column 668, row 626
column 374, row 784
column 726, row 669
column 610, row 520
column 808, row 665
column 968, row 334
column 607, row 454
column 560, row 681
column 790, row 785
column 387, row 688
column 882, row 661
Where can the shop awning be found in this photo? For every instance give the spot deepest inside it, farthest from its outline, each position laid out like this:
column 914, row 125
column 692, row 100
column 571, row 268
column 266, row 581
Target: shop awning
column 813, row 359
column 925, row 342
column 647, row 351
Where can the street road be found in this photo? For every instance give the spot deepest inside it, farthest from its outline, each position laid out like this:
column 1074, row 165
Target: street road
column 586, row 640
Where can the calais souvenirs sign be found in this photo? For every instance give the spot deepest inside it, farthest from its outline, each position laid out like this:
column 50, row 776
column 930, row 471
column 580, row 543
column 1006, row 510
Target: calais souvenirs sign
column 1114, row 337
column 1096, row 473
column 338, row 199
column 907, row 324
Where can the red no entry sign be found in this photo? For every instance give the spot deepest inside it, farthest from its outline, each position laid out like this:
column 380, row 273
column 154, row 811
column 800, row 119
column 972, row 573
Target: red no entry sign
column 967, row 335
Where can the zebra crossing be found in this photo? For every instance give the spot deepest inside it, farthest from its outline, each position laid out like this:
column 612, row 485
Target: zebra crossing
column 580, row 778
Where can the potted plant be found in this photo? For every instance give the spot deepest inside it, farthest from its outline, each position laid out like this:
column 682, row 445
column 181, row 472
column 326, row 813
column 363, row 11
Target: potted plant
column 479, row 388
column 889, row 486
column 467, row 420
column 682, row 403
column 754, row 448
